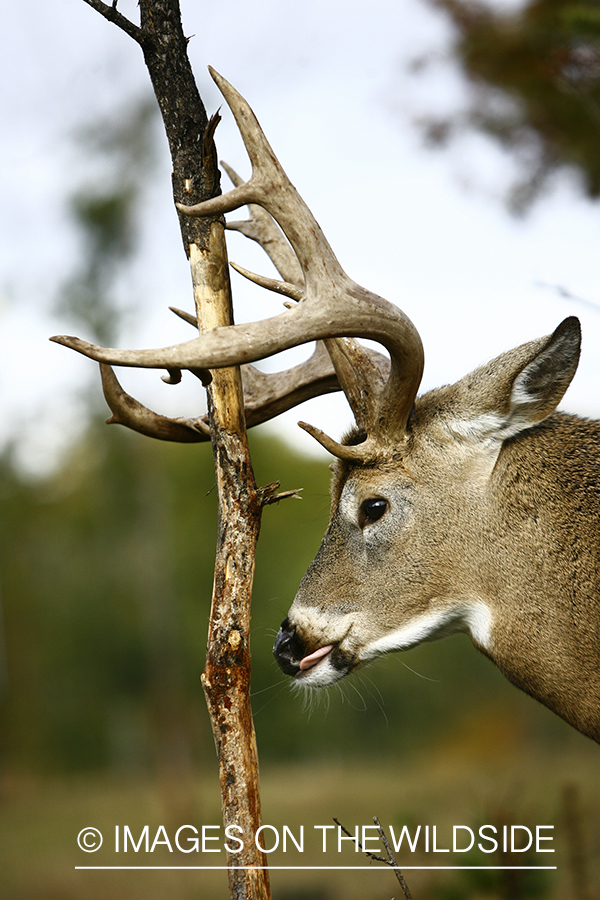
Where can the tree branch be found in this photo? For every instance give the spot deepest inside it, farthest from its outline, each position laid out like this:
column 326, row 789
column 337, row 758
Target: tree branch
column 389, row 860
column 113, row 15
column 226, row 677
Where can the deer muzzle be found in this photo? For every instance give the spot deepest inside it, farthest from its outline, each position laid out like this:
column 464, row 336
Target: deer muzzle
column 293, row 655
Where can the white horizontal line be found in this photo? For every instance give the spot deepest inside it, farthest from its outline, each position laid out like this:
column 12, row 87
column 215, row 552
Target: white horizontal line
column 320, row 868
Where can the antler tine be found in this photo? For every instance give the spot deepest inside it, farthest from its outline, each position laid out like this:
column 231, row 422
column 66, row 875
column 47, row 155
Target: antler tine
column 271, row 284
column 186, row 316
column 262, row 228
column 133, row 414
column 327, row 285
column 270, row 188
column 359, row 375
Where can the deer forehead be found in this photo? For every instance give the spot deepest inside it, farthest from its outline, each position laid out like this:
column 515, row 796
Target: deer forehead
column 448, row 458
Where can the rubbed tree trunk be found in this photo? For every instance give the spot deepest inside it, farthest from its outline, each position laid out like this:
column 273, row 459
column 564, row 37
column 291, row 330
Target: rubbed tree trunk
column 226, row 678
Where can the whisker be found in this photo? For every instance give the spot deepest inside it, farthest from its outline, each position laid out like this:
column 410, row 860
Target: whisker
column 268, row 688
column 362, row 708
column 377, row 697
column 281, row 685
column 418, row 674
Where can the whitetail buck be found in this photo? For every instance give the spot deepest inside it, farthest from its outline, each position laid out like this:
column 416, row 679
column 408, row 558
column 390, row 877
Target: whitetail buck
column 472, row 508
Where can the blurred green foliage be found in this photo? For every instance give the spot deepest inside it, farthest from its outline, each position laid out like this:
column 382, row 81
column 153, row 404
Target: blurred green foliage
column 535, row 71
column 106, row 571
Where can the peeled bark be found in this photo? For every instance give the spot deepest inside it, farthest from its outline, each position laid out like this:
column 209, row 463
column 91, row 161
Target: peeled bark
column 226, row 678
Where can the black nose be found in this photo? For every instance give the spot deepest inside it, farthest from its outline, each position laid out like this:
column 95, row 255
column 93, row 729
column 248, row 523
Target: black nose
column 287, row 649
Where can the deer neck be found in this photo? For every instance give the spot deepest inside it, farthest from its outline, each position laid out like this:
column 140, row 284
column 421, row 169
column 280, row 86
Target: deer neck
column 544, row 574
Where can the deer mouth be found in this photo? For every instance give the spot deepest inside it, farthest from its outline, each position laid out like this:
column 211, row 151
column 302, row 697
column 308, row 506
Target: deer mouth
column 313, row 659
column 290, row 651
column 323, row 667
column 317, row 668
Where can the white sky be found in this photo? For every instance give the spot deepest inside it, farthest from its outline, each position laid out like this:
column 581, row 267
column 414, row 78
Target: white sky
column 329, row 83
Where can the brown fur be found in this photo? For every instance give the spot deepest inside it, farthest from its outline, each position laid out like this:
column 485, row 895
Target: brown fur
column 492, row 527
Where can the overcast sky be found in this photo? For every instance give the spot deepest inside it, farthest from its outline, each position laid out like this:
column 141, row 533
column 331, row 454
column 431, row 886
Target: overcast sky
column 331, row 85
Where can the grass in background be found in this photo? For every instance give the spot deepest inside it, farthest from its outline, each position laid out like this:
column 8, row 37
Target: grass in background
column 40, row 819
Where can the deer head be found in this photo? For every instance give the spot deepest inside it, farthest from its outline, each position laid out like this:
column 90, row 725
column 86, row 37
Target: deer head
column 473, row 508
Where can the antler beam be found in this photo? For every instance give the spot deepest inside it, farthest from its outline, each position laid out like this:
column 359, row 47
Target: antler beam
column 330, row 305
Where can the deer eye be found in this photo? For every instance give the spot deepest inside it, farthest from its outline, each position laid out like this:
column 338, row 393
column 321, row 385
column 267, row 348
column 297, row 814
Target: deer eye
column 371, row 510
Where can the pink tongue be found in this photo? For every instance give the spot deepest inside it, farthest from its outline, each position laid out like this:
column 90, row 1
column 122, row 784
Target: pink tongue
column 309, row 661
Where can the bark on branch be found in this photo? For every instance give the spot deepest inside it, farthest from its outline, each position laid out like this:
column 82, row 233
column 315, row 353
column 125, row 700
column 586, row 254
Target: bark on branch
column 226, row 678
column 111, row 13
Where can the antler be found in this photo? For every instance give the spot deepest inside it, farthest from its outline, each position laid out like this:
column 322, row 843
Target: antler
column 265, row 397
column 352, row 367
column 330, row 305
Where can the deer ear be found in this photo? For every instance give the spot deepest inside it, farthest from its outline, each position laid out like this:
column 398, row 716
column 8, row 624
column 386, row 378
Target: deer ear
column 539, row 387
column 517, row 389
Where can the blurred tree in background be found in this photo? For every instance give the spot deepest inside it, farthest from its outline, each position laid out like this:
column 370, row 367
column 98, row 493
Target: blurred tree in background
column 107, row 571
column 535, row 74
column 104, row 209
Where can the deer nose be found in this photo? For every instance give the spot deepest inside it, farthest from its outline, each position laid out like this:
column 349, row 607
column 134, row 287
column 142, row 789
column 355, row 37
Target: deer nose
column 287, row 649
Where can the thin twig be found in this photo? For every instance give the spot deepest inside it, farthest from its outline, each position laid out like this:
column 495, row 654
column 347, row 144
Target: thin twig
column 268, row 494
column 390, row 860
column 368, row 853
column 567, row 295
column 113, row 15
